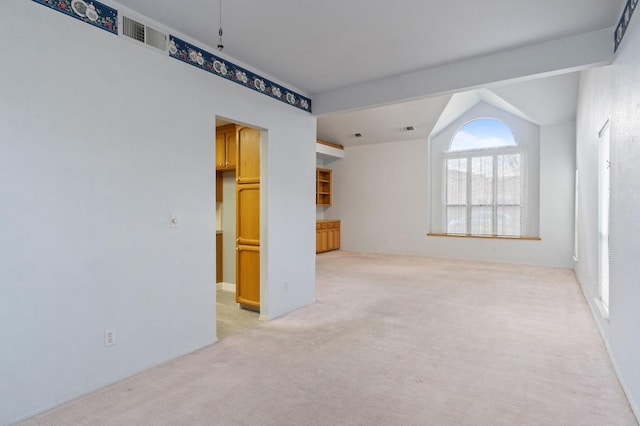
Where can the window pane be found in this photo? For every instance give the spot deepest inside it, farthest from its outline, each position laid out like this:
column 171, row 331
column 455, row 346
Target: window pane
column 457, row 181
column 482, row 180
column 604, row 213
column 481, row 220
column 482, row 134
column 456, row 220
column 509, row 188
column 508, row 220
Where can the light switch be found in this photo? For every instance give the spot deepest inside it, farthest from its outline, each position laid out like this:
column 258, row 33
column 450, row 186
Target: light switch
column 175, row 221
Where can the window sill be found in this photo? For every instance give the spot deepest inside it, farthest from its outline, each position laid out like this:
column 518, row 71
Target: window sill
column 493, row 237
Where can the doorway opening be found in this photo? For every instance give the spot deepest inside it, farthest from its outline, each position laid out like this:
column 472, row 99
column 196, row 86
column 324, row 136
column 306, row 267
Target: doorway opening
column 239, row 212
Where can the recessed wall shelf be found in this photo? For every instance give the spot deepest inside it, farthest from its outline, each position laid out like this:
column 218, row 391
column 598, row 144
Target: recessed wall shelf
column 323, row 187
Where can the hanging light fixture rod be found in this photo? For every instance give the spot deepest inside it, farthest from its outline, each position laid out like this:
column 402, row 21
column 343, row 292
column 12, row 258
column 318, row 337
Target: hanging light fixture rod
column 220, row 45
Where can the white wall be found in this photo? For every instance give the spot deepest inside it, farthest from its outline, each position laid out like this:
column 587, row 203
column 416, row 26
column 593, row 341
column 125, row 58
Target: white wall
column 381, row 198
column 101, row 141
column 613, row 93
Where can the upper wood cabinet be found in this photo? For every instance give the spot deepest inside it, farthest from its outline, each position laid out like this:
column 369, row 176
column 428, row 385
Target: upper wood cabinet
column 248, row 164
column 226, row 147
column 323, row 187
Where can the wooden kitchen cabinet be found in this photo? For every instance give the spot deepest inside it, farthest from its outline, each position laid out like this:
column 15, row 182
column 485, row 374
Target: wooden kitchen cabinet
column 323, row 187
column 248, row 218
column 321, row 237
column 248, row 156
column 248, row 275
column 227, row 147
column 248, row 214
column 327, row 235
column 333, row 235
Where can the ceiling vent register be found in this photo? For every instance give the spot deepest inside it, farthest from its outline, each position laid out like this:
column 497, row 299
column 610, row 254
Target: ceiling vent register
column 143, row 33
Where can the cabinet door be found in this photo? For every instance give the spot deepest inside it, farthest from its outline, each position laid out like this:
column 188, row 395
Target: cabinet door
column 220, row 150
column 248, row 214
column 231, row 148
column 226, row 147
column 331, row 239
column 319, row 247
column 248, row 244
column 321, row 237
column 248, row 275
column 324, row 240
column 248, row 165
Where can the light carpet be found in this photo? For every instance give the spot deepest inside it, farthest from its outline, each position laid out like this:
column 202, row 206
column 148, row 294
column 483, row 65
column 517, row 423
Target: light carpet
column 392, row 340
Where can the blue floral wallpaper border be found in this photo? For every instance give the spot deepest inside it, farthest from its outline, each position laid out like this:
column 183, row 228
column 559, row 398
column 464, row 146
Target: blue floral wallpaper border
column 104, row 17
column 185, row 52
column 92, row 12
column 629, row 8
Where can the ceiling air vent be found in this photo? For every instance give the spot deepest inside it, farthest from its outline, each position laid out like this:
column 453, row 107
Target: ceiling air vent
column 143, row 33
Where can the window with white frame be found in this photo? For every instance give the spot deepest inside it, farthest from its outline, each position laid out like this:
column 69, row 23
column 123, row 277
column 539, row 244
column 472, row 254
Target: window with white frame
column 604, row 170
column 484, row 181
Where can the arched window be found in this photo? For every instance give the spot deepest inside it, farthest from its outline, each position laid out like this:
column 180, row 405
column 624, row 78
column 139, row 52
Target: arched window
column 482, row 134
column 484, row 181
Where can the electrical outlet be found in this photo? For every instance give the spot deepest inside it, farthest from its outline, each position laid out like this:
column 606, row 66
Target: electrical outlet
column 110, row 337
column 285, row 285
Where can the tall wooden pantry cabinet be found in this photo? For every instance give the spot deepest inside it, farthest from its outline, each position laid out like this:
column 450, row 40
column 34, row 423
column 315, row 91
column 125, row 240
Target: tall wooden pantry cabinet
column 248, row 218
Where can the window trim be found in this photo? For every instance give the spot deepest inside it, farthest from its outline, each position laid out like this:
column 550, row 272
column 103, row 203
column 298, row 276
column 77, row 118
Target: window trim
column 489, row 237
column 604, row 219
column 486, row 152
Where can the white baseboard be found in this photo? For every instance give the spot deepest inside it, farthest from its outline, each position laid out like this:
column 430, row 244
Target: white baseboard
column 226, row 287
column 596, row 312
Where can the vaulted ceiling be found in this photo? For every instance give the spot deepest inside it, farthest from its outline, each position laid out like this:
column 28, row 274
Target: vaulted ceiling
column 357, row 54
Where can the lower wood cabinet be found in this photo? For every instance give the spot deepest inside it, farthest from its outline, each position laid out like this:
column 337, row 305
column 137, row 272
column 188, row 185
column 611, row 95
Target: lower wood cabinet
column 248, row 275
column 327, row 235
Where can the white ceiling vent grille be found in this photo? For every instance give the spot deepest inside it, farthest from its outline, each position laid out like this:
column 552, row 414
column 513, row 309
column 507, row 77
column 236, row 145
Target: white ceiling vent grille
column 143, row 33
